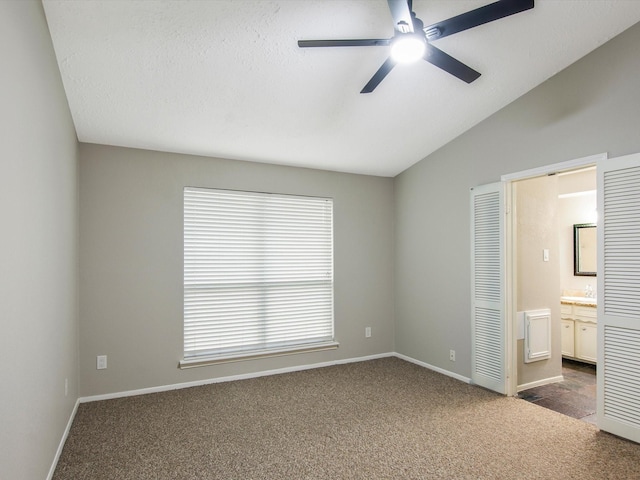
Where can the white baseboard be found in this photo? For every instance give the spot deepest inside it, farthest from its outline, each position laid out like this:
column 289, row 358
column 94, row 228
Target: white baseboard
column 264, row 373
column 231, row 378
column 434, row 368
column 539, row 383
column 63, row 440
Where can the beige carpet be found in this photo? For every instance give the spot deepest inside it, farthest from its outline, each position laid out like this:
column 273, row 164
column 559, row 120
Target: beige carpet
column 382, row 419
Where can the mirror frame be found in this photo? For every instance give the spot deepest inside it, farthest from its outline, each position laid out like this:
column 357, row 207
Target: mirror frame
column 576, row 247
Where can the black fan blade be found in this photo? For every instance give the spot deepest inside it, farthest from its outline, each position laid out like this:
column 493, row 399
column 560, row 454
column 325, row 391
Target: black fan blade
column 401, row 14
column 479, row 16
column 449, row 64
column 379, row 76
column 362, row 42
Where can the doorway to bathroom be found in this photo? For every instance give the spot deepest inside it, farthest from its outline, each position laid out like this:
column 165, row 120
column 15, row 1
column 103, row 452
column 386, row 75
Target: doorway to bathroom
column 556, row 354
column 555, row 304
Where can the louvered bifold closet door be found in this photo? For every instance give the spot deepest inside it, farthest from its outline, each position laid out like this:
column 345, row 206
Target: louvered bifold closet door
column 258, row 272
column 619, row 296
column 487, row 287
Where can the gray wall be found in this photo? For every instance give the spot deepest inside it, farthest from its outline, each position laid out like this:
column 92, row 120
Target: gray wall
column 131, row 262
column 38, row 247
column 591, row 107
column 574, row 210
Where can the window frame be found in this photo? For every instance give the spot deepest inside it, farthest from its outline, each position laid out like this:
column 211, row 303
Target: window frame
column 221, row 214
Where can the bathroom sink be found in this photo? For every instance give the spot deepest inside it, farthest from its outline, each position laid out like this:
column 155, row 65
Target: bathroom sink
column 588, row 300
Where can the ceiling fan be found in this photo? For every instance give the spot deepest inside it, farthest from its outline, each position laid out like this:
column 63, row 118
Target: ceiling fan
column 412, row 40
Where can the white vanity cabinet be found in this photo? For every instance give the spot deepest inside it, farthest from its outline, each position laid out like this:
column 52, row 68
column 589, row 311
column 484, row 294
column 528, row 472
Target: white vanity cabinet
column 579, row 331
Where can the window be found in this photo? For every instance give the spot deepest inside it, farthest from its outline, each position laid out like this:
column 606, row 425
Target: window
column 258, row 274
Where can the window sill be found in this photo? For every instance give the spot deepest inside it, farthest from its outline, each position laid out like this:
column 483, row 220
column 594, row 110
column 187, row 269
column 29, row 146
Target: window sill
column 215, row 360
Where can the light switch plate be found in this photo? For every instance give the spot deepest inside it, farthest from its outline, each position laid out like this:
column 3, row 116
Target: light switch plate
column 101, row 362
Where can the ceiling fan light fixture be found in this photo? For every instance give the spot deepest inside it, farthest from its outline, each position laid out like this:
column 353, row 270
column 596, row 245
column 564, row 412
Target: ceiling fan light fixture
column 408, row 48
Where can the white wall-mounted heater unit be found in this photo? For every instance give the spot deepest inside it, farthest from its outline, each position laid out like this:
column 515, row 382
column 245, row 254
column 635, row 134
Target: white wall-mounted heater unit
column 537, row 335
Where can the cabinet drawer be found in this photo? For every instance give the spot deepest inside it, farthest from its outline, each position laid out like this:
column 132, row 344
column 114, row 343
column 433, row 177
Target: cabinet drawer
column 565, row 310
column 588, row 314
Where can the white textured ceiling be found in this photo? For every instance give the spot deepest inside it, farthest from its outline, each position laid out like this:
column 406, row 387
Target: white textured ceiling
column 225, row 78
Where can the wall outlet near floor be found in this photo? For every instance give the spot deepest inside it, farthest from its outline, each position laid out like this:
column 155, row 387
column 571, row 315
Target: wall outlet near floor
column 101, row 362
column 452, row 355
column 367, row 332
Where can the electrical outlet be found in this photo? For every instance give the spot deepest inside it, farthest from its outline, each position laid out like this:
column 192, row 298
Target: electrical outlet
column 452, row 355
column 367, row 332
column 101, row 362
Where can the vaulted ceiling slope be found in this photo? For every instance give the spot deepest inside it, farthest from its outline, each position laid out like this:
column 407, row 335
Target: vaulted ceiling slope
column 225, row 78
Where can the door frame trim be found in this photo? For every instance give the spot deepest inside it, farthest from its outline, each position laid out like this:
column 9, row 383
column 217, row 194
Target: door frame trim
column 510, row 252
column 555, row 168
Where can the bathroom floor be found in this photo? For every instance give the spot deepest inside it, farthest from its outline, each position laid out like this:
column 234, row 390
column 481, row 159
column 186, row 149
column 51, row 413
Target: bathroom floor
column 575, row 396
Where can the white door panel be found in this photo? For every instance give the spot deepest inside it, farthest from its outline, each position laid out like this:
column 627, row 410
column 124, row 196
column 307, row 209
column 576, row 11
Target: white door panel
column 619, row 296
column 487, row 288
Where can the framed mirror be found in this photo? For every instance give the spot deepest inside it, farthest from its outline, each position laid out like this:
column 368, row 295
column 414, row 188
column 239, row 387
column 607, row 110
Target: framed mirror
column 584, row 249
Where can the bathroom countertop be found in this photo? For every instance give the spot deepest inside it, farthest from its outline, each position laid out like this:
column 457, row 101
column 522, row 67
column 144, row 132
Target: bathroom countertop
column 587, row 302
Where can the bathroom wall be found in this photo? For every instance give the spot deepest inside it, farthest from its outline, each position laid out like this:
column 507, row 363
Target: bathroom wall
column 538, row 281
column 576, row 204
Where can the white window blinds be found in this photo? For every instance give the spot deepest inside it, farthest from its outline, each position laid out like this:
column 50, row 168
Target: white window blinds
column 258, row 272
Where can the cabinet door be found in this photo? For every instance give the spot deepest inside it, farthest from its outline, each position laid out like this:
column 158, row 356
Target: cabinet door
column 586, row 341
column 567, row 338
